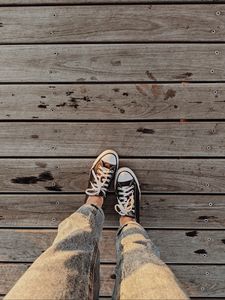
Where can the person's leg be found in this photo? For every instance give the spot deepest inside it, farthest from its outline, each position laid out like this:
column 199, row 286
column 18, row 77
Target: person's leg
column 140, row 274
column 69, row 269
column 66, row 270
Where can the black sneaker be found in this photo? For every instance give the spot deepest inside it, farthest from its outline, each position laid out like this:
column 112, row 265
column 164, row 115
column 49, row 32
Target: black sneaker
column 128, row 193
column 102, row 173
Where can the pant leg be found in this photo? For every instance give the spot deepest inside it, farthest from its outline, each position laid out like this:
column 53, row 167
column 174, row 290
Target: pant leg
column 69, row 269
column 140, row 274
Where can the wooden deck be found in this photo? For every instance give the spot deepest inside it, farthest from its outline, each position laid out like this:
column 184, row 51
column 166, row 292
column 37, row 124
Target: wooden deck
column 146, row 79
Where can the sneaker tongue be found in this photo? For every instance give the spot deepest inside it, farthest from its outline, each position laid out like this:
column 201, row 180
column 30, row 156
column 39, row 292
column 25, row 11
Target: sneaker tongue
column 106, row 164
column 125, row 183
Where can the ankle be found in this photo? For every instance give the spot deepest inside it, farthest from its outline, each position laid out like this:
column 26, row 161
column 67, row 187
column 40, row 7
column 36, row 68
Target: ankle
column 96, row 200
column 125, row 219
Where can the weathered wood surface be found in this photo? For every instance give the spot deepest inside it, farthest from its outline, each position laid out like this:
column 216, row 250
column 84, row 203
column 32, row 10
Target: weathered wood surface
column 112, row 101
column 183, row 226
column 197, row 280
column 112, row 62
column 157, row 211
column 71, row 175
column 176, row 246
column 114, row 23
column 131, row 139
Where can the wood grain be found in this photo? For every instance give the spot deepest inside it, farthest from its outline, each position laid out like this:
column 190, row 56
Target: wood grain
column 112, row 101
column 176, row 246
column 192, row 277
column 157, row 211
column 114, row 23
column 112, row 62
column 130, row 139
column 71, row 175
column 101, row 62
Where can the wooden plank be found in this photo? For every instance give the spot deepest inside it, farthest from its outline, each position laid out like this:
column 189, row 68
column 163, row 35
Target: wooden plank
column 201, row 281
column 157, row 211
column 71, row 175
column 79, row 139
column 9, row 274
column 176, row 246
column 114, row 23
column 112, row 101
column 112, row 62
column 199, row 211
column 197, row 280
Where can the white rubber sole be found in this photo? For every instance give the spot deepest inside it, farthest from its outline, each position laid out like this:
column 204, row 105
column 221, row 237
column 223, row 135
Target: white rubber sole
column 105, row 153
column 125, row 169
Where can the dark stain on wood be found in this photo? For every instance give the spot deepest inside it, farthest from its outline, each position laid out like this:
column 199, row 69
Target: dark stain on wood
column 25, row 180
column 192, row 233
column 116, row 90
column 184, row 75
column 45, row 176
column 146, row 130
column 206, row 217
column 121, row 110
column 201, row 251
column 74, row 102
column 170, row 93
column 1, row 24
column 125, row 94
column 150, row 76
column 55, row 188
column 87, row 99
column 115, row 62
column 34, row 136
column 69, row 93
column 219, row 101
column 223, row 241
column 61, row 105
column 113, row 276
column 43, row 97
column 43, row 105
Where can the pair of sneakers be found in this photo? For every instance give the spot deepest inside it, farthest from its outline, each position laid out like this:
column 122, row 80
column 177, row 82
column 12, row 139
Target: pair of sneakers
column 104, row 170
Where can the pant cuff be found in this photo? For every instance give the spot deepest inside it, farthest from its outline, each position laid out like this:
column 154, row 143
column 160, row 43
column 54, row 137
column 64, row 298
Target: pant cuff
column 93, row 212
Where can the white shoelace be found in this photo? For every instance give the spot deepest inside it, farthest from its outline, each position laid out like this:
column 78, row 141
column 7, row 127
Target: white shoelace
column 101, row 181
column 125, row 200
